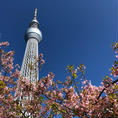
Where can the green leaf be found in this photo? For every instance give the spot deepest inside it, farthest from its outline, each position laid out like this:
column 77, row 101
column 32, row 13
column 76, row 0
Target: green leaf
column 2, row 84
column 74, row 75
column 59, row 112
column 64, row 111
column 41, row 97
column 70, row 68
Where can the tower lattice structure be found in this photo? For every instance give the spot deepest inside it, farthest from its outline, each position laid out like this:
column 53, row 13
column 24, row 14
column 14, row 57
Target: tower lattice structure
column 33, row 36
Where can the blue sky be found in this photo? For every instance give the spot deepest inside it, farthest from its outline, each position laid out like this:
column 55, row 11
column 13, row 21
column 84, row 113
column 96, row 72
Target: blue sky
column 74, row 32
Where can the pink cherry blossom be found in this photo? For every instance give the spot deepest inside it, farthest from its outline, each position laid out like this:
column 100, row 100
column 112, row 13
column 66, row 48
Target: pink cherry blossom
column 47, row 97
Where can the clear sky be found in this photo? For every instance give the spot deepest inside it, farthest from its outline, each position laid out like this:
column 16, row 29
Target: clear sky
column 74, row 32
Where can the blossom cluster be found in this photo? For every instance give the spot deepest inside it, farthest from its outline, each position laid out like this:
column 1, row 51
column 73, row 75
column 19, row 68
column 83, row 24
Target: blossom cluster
column 19, row 97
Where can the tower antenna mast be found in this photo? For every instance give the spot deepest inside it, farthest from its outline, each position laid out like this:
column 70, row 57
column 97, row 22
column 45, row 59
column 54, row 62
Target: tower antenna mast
column 35, row 13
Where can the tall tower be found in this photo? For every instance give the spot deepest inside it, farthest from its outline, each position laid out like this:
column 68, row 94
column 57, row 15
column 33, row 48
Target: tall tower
column 29, row 66
column 33, row 36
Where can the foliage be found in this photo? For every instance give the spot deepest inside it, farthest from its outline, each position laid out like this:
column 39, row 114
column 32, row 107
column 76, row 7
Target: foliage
column 48, row 99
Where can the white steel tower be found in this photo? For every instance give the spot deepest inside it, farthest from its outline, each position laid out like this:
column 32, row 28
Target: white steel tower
column 33, row 36
column 29, row 66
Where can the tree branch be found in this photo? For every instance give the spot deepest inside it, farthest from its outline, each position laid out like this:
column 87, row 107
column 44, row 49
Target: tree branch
column 106, row 87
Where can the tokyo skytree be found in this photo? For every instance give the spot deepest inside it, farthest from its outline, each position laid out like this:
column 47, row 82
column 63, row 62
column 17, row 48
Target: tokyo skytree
column 33, row 36
column 29, row 68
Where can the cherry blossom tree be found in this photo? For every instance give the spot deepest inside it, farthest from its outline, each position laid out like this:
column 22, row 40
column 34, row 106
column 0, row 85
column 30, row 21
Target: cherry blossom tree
column 74, row 97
